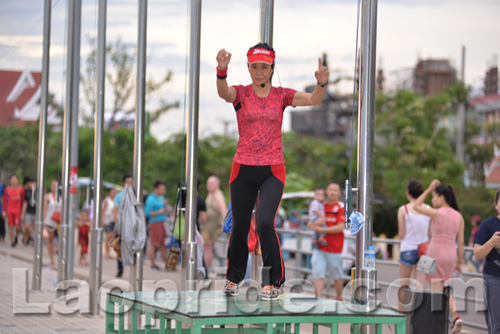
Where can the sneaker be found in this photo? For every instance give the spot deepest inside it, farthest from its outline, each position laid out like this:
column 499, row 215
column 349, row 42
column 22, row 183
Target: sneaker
column 154, row 267
column 271, row 292
column 231, row 289
column 119, row 273
column 457, row 325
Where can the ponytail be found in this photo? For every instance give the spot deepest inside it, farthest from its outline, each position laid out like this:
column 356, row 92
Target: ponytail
column 449, row 195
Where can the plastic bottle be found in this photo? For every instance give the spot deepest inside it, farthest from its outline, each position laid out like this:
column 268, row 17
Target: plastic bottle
column 370, row 258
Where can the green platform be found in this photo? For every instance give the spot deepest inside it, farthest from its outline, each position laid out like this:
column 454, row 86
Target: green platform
column 193, row 312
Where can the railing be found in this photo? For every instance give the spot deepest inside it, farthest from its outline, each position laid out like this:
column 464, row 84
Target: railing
column 301, row 253
column 298, row 267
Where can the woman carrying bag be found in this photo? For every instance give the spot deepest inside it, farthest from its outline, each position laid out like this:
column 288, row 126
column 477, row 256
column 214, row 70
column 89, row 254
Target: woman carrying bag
column 446, row 230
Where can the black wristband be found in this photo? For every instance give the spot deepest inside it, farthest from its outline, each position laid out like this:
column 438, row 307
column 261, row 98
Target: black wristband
column 322, row 85
column 221, row 76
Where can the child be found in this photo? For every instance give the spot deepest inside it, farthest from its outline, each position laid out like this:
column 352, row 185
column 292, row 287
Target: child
column 83, row 225
column 317, row 216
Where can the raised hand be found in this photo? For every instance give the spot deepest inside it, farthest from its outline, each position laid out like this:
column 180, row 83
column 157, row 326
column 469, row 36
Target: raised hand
column 223, row 58
column 434, row 184
column 322, row 73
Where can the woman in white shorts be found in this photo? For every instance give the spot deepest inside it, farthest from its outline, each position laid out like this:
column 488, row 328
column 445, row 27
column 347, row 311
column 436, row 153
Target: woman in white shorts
column 51, row 205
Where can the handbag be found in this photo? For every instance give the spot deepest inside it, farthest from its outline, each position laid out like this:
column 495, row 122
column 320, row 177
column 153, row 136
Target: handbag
column 427, row 264
column 173, row 258
column 422, row 248
column 116, row 244
column 56, row 216
column 174, row 252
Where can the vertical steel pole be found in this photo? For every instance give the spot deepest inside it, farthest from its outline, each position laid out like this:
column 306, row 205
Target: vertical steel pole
column 73, row 193
column 42, row 141
column 266, row 21
column 366, row 278
column 189, row 255
column 266, row 36
column 68, row 120
column 97, row 233
column 139, row 131
column 461, row 116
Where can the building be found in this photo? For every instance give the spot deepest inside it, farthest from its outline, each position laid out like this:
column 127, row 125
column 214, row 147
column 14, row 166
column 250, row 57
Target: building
column 491, row 81
column 488, row 107
column 20, row 94
column 331, row 120
column 492, row 171
column 432, row 76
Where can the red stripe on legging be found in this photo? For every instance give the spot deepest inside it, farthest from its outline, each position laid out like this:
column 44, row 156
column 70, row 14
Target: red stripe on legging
column 235, row 170
column 278, row 239
column 280, row 172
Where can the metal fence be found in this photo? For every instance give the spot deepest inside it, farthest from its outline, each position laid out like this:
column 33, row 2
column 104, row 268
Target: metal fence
column 302, row 251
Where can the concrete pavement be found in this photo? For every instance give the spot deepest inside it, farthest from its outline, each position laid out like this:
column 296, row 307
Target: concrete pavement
column 40, row 311
column 23, row 310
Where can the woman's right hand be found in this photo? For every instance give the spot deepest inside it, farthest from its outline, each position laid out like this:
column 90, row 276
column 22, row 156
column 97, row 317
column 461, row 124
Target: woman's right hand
column 223, row 58
column 434, row 184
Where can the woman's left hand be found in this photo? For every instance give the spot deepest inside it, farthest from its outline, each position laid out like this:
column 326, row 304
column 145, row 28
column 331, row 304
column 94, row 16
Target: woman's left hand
column 322, row 73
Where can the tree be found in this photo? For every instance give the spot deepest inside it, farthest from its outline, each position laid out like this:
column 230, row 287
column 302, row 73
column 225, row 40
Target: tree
column 120, row 74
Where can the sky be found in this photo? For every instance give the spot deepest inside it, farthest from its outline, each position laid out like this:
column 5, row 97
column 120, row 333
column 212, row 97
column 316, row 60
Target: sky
column 303, row 30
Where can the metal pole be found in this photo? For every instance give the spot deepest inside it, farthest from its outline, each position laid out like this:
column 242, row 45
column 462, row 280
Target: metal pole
column 68, row 120
column 37, row 259
column 366, row 129
column 266, row 21
column 97, row 233
column 139, row 131
column 73, row 193
column 189, row 256
column 461, row 116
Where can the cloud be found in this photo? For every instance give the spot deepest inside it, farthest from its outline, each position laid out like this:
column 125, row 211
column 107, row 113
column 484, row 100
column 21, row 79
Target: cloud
column 407, row 29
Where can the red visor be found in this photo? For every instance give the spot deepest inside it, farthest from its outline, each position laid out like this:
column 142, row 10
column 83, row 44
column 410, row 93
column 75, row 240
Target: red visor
column 260, row 55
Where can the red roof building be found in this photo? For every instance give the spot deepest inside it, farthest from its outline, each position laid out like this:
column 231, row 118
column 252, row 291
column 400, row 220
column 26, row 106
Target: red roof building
column 492, row 171
column 20, row 94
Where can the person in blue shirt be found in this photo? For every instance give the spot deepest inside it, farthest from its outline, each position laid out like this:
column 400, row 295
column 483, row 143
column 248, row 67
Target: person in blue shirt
column 156, row 210
column 487, row 245
column 2, row 221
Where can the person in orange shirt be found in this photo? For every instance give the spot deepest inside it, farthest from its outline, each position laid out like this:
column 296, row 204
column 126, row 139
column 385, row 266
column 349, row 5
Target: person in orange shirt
column 12, row 206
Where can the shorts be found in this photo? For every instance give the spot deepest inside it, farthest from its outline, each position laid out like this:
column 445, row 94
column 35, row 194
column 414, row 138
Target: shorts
column 109, row 227
column 14, row 219
column 409, row 258
column 157, row 234
column 50, row 228
column 210, row 231
column 326, row 263
column 29, row 219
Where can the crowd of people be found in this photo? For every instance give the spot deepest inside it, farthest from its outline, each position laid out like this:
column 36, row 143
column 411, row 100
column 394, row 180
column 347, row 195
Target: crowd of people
column 440, row 228
column 18, row 213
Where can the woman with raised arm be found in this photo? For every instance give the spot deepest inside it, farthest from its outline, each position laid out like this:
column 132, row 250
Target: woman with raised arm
column 446, row 230
column 259, row 166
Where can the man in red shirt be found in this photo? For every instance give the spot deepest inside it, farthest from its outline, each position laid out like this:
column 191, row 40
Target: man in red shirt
column 12, row 206
column 328, row 258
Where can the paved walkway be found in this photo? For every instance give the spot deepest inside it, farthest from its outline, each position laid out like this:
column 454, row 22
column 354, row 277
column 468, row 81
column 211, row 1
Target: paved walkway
column 42, row 312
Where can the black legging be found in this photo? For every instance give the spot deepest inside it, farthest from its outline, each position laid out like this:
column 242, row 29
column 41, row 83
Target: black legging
column 246, row 183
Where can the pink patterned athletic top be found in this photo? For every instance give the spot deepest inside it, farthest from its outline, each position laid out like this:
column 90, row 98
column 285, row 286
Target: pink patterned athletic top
column 259, row 125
